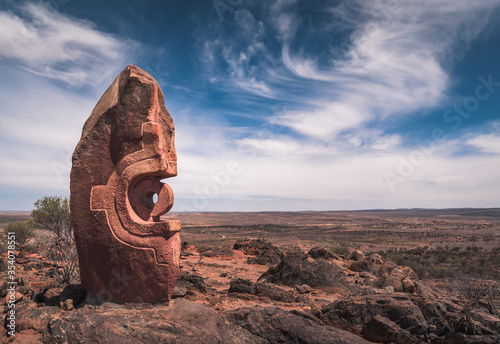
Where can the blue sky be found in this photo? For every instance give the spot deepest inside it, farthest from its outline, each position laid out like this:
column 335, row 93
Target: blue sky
column 278, row 105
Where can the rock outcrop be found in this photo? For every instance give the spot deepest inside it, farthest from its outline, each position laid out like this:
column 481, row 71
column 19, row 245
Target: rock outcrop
column 263, row 251
column 274, row 325
column 379, row 318
column 181, row 321
column 298, row 268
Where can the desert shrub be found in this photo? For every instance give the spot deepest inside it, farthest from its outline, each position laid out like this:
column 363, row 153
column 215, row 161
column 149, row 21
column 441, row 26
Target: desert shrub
column 419, row 249
column 475, row 290
column 473, row 248
column 439, row 272
column 399, row 259
column 340, row 250
column 455, row 249
column 64, row 256
column 23, row 230
column 52, row 213
column 441, row 257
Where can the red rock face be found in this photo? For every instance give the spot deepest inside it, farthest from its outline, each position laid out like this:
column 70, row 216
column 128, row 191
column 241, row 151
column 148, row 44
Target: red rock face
column 126, row 252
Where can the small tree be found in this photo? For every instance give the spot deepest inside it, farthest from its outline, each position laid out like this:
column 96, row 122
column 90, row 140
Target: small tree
column 475, row 290
column 52, row 213
column 23, row 229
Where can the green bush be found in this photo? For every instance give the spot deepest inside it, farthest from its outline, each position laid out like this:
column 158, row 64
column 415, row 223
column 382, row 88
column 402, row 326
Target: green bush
column 23, row 230
column 340, row 250
column 474, row 248
column 52, row 213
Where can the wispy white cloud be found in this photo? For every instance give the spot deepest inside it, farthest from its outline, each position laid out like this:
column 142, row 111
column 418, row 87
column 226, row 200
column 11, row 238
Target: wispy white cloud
column 43, row 52
column 396, row 63
column 489, row 143
column 394, row 66
column 50, row 44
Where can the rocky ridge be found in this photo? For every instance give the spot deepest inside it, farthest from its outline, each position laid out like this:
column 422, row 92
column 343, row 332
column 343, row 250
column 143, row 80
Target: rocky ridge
column 304, row 297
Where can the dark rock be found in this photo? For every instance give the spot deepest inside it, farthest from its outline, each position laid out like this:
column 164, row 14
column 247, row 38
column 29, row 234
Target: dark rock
column 3, row 289
column 297, row 268
column 241, row 285
column 320, row 252
column 303, row 289
column 447, row 318
column 356, row 255
column 39, row 296
column 192, row 283
column 180, row 322
column 382, row 330
column 178, row 292
column 355, row 313
column 73, row 292
column 274, row 325
column 361, row 265
column 274, row 293
column 264, row 252
column 260, row 260
column 460, row 338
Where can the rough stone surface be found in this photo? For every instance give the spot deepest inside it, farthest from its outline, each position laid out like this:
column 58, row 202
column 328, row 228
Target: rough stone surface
column 356, row 255
column 192, row 283
column 266, row 290
column 180, row 322
column 265, row 253
column 381, row 318
column 126, row 252
column 321, row 252
column 72, row 296
column 275, row 325
column 297, row 268
column 240, row 285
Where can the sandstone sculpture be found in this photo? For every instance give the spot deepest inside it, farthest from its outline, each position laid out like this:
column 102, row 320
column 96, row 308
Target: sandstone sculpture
column 126, row 253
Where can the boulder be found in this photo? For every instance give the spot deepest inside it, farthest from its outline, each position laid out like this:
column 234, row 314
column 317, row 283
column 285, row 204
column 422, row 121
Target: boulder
column 361, row 265
column 265, row 253
column 181, row 321
column 297, row 268
column 399, row 278
column 276, row 293
column 274, row 325
column 242, row 286
column 321, row 252
column 398, row 317
column 270, row 291
column 72, row 296
column 356, row 255
column 192, row 283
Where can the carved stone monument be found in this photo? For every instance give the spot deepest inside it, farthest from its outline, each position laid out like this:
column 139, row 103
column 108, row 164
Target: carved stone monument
column 126, row 252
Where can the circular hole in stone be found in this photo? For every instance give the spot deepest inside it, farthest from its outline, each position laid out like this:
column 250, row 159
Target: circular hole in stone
column 155, row 198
